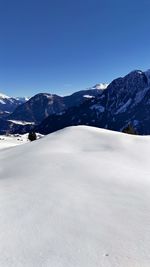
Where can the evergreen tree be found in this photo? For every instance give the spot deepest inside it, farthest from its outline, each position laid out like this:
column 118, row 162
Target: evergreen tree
column 32, row 136
column 129, row 130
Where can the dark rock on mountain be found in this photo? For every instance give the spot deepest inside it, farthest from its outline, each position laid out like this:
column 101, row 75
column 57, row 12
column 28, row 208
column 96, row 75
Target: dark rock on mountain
column 42, row 105
column 8, row 127
column 125, row 101
column 37, row 108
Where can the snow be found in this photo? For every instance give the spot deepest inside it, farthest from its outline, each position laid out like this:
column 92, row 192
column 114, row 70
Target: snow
column 22, row 98
column 101, row 86
column 76, row 198
column 136, row 71
column 4, row 96
column 22, row 122
column 11, row 140
column 2, row 102
column 50, row 96
column 88, row 96
column 124, row 107
column 7, row 111
column 7, row 141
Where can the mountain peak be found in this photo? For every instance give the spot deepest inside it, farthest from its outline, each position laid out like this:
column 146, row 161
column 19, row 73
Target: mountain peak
column 4, row 96
column 100, row 86
column 136, row 72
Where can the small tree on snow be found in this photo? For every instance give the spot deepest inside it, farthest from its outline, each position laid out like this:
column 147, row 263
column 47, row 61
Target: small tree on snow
column 32, row 136
column 129, row 130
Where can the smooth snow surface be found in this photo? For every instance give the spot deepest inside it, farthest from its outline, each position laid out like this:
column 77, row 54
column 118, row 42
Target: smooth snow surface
column 76, row 198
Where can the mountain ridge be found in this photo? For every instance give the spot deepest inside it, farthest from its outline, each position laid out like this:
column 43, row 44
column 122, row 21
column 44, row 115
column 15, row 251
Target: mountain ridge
column 40, row 106
column 126, row 100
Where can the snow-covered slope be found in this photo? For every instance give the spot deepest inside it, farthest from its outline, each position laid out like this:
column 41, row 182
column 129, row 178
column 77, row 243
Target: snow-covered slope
column 12, row 140
column 76, row 198
column 7, row 141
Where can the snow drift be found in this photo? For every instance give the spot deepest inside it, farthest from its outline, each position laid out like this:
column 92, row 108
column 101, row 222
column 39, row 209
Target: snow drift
column 76, row 198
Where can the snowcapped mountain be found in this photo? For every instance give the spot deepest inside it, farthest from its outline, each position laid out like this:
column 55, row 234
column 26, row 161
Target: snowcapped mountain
column 126, row 100
column 2, row 96
column 42, row 105
column 22, row 99
column 9, row 104
column 100, row 86
column 76, row 198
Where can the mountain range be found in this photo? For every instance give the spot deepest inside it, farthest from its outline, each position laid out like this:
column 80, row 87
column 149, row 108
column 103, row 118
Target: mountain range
column 126, row 100
column 42, row 105
column 9, row 104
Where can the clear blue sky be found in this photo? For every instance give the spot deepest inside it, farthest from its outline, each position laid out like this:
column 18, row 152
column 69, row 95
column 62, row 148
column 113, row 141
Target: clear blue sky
column 61, row 46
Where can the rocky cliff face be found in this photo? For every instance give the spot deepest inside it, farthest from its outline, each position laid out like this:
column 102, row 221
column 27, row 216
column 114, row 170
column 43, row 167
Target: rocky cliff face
column 126, row 100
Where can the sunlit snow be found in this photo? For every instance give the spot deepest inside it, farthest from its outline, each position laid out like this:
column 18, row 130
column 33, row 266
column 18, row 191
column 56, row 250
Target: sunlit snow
column 76, row 198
